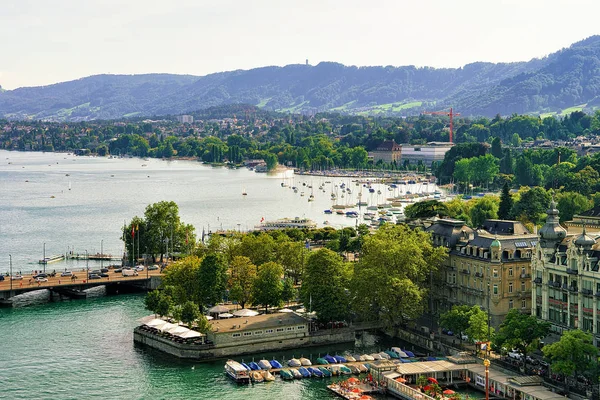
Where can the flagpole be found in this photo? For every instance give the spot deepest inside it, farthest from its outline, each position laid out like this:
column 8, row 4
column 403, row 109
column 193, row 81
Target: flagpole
column 132, row 245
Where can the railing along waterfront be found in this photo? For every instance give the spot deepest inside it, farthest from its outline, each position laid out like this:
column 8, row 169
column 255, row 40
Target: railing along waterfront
column 406, row 391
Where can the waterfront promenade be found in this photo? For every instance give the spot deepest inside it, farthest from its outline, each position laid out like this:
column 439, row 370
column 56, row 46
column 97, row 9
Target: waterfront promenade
column 74, row 287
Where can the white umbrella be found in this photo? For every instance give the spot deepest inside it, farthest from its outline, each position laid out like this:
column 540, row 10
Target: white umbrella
column 286, row 310
column 301, row 310
column 218, row 309
column 178, row 330
column 244, row 312
column 190, row 334
column 155, row 322
column 166, row 327
column 225, row 315
column 208, row 317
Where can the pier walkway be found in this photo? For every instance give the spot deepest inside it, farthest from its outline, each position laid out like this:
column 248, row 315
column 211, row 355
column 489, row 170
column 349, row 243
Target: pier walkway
column 75, row 287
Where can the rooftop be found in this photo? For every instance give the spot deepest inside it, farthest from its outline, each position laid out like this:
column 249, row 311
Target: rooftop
column 258, row 322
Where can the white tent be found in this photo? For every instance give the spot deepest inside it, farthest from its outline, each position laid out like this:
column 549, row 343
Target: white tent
column 166, row 327
column 218, row 309
column 244, row 312
column 286, row 310
column 178, row 330
column 301, row 310
column 155, row 322
column 190, row 334
column 225, row 315
column 208, row 317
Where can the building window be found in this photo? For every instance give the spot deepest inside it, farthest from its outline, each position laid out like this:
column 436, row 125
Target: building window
column 280, row 329
column 290, row 328
column 495, row 273
column 523, row 271
column 300, row 327
column 495, row 290
column 522, row 286
column 510, row 304
column 236, row 335
column 258, row 333
column 247, row 333
column 510, row 287
column 510, row 272
column 269, row 331
column 523, row 303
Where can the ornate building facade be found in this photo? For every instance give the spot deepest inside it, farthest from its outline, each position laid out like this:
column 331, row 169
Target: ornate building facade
column 566, row 285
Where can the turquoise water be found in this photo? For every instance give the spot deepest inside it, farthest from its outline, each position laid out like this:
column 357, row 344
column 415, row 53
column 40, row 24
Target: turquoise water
column 83, row 349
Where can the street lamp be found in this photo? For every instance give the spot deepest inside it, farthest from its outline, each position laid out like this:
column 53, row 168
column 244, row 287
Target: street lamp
column 102, row 253
column 486, row 363
column 87, row 265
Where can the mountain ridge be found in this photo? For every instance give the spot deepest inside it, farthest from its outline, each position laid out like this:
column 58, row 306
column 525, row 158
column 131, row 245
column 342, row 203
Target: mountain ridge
column 566, row 78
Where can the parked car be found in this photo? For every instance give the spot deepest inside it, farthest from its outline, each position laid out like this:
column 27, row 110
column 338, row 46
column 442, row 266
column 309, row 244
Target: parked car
column 96, row 271
column 118, row 270
column 514, row 354
column 40, row 276
column 104, row 270
column 66, row 273
column 41, row 279
column 94, row 276
column 139, row 268
column 153, row 267
column 1, row 278
column 129, row 272
column 16, row 277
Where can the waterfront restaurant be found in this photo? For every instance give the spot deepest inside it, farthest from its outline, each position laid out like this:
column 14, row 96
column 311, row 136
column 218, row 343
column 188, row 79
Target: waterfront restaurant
column 258, row 329
column 501, row 385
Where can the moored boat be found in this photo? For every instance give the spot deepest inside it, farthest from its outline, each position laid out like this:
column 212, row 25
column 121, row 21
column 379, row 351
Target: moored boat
column 322, row 361
column 296, row 373
column 340, row 359
column 330, row 359
column 237, row 371
column 326, row 372
column 315, row 372
column 254, row 366
column 305, row 362
column 256, row 376
column 264, row 364
column 304, row 372
column 275, row 364
column 349, row 357
column 354, row 368
column 286, row 375
column 344, row 370
column 294, row 362
column 267, row 375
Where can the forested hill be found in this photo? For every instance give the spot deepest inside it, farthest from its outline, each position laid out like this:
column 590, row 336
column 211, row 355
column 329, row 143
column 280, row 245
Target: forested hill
column 565, row 79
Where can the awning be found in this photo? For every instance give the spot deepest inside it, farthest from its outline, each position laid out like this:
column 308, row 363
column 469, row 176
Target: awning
column 244, row 312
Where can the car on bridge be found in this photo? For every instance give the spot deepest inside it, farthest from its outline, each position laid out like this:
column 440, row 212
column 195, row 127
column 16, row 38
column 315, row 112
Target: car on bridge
column 66, row 273
column 16, row 277
column 40, row 279
column 94, row 276
column 153, row 267
column 40, row 276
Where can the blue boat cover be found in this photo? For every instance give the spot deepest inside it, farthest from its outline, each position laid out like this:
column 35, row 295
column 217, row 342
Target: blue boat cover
column 246, row 366
column 340, row 359
column 330, row 359
column 305, row 373
column 409, row 353
column 254, row 366
column 275, row 364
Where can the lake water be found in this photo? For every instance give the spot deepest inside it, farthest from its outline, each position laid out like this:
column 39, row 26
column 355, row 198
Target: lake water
column 84, row 349
column 81, row 203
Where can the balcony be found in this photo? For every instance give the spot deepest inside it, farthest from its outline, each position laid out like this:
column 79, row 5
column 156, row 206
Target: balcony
column 466, row 272
column 597, row 294
column 525, row 293
column 539, row 281
column 587, row 292
column 571, row 271
column 564, row 286
column 479, row 274
column 572, row 289
column 525, row 276
column 557, row 284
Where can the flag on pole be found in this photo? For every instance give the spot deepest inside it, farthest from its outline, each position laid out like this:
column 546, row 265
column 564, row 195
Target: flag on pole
column 133, row 231
column 262, row 219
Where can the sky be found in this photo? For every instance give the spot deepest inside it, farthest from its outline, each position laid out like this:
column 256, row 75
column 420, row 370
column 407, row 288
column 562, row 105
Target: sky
column 49, row 41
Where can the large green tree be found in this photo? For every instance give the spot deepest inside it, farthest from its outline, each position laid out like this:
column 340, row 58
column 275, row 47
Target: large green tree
column 325, row 284
column 242, row 276
column 573, row 354
column 212, row 278
column 390, row 281
column 426, row 209
column 485, row 208
column 521, row 332
column 182, row 277
column 268, row 286
column 506, row 203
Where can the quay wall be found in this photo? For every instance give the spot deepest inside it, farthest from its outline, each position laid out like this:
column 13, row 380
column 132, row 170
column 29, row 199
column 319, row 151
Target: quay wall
column 211, row 351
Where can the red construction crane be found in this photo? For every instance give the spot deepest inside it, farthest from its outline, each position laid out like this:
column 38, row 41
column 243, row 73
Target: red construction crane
column 450, row 114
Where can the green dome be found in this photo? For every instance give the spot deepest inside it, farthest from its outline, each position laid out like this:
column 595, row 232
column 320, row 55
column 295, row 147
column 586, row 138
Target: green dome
column 495, row 244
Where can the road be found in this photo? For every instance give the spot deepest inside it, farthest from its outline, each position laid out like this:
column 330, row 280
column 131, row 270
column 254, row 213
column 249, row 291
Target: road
column 57, row 281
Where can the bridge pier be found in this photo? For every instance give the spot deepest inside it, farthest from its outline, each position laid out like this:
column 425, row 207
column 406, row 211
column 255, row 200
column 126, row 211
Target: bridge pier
column 6, row 303
column 70, row 293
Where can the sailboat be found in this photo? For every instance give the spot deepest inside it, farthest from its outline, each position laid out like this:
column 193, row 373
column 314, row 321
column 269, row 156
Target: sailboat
column 244, row 192
column 69, row 185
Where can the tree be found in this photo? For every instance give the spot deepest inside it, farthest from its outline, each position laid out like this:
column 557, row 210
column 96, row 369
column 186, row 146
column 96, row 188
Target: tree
column 182, row 278
column 202, row 324
column 288, row 292
column 396, row 262
column 325, row 284
column 463, row 171
column 152, row 300
column 426, row 209
column 571, row 203
column 189, row 313
column 457, row 319
column 497, row 148
column 521, row 332
column 212, row 278
column 242, row 275
column 164, row 306
column 478, row 329
column 258, row 248
column 572, row 354
column 506, row 203
column 268, row 286
column 484, row 208
column 532, row 205
column 292, row 255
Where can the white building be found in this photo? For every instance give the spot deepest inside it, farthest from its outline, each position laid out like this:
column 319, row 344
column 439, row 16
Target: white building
column 185, row 119
column 432, row 151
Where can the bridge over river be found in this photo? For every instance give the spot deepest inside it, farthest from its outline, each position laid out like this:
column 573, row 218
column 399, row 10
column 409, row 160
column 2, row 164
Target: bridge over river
column 75, row 288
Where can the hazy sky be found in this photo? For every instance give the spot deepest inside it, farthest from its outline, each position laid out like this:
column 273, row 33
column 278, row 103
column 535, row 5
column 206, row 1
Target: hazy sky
column 49, row 41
